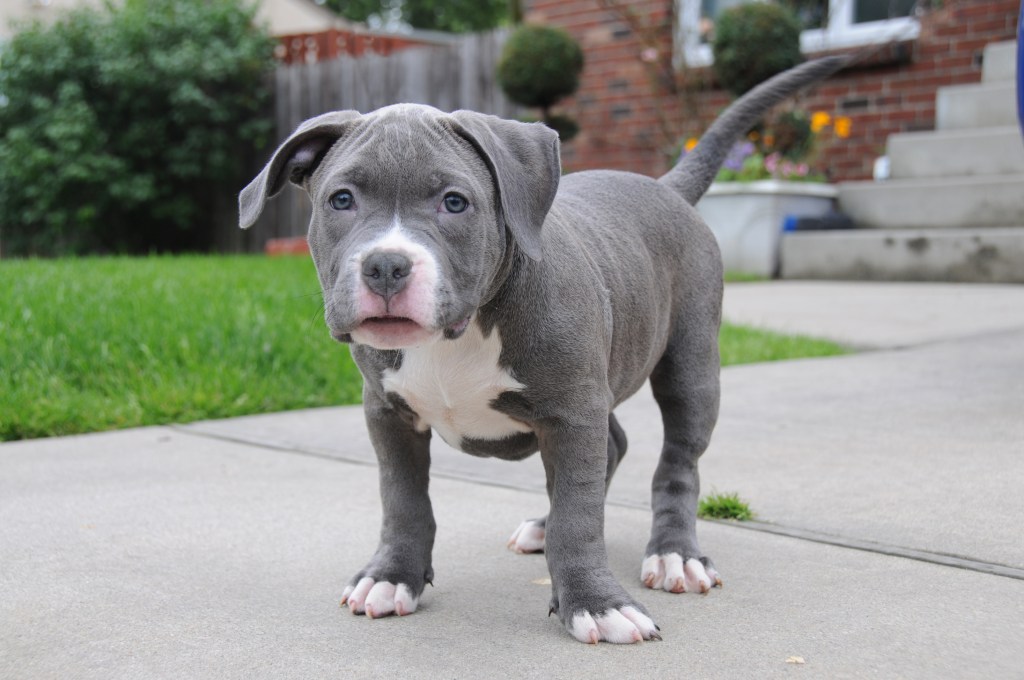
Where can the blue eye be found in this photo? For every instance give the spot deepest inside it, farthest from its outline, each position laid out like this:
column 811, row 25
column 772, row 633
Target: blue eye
column 455, row 203
column 343, row 200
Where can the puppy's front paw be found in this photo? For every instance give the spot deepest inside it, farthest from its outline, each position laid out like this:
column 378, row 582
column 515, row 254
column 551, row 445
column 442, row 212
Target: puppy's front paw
column 528, row 537
column 594, row 608
column 624, row 625
column 677, row 575
column 379, row 598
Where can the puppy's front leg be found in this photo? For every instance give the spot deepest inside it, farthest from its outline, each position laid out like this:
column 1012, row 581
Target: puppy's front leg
column 585, row 595
column 393, row 580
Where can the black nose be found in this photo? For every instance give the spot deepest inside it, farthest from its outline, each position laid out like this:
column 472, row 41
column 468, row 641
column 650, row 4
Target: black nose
column 386, row 273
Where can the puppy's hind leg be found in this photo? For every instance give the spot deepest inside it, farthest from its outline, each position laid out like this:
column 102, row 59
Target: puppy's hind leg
column 529, row 535
column 686, row 387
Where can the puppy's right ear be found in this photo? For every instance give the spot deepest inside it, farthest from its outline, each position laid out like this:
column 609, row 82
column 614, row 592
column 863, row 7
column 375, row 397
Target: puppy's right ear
column 294, row 160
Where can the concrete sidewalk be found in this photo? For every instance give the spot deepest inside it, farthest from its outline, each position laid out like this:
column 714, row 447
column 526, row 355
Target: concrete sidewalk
column 889, row 542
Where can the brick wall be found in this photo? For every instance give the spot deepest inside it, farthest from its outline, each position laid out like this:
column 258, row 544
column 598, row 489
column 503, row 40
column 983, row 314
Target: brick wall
column 634, row 109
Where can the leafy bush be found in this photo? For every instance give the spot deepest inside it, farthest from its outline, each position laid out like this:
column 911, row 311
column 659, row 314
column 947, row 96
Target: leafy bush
column 456, row 16
column 753, row 42
column 129, row 129
column 540, row 65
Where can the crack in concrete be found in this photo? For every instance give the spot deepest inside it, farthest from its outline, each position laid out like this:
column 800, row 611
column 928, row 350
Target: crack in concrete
column 939, row 558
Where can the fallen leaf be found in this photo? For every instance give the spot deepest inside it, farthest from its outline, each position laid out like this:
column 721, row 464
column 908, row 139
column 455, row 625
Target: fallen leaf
column 796, row 660
column 541, row 581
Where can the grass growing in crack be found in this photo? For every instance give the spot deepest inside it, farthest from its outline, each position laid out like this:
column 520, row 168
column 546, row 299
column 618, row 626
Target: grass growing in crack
column 723, row 506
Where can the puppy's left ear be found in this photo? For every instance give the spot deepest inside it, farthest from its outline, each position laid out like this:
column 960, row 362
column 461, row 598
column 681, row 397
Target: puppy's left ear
column 296, row 158
column 523, row 160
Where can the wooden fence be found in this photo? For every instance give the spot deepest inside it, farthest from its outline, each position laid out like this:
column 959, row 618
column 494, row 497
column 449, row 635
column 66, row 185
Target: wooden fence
column 449, row 77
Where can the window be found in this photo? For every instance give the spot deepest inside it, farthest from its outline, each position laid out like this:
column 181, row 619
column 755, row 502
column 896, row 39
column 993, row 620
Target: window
column 828, row 24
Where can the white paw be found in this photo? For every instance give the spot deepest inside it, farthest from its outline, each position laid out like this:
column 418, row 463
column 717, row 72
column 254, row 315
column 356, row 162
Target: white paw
column 620, row 626
column 670, row 573
column 379, row 598
column 528, row 538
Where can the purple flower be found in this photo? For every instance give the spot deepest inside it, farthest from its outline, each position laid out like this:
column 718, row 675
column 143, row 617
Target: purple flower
column 740, row 152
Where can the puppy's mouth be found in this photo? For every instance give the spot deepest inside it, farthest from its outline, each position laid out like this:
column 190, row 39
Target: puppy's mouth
column 390, row 325
column 388, row 320
column 398, row 332
column 391, row 332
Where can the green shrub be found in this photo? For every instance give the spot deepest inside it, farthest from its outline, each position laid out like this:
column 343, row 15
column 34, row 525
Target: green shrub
column 753, row 42
column 456, row 16
column 129, row 129
column 540, row 65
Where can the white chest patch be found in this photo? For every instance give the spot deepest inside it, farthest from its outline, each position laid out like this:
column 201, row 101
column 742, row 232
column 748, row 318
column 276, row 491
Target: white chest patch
column 450, row 385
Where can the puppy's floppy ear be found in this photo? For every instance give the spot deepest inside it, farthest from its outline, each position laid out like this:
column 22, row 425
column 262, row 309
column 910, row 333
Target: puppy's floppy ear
column 296, row 158
column 523, row 160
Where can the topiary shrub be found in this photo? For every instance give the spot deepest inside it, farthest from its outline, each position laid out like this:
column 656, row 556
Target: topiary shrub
column 753, row 42
column 130, row 129
column 540, row 65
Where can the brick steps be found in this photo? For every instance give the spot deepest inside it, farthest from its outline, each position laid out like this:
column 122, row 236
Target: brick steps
column 952, row 153
column 935, row 202
column 993, row 255
column 972, row 106
column 954, row 208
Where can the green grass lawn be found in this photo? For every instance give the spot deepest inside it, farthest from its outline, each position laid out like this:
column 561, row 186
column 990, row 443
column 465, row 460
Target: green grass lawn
column 96, row 344
column 103, row 343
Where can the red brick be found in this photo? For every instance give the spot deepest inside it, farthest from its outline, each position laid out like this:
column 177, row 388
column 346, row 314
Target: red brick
column 1004, row 25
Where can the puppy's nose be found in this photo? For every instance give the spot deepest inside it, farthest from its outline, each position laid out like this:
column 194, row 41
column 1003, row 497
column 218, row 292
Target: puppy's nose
column 386, row 273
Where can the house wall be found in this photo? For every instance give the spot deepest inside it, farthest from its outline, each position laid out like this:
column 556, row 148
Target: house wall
column 635, row 109
column 304, row 48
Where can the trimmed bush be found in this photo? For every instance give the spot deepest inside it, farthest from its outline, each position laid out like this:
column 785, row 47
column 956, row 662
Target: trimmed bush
column 130, row 129
column 540, row 65
column 753, row 42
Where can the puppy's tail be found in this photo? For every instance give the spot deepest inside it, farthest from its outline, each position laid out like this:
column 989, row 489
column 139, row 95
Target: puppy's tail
column 692, row 176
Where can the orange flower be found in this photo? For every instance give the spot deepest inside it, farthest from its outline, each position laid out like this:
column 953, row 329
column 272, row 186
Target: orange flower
column 690, row 144
column 842, row 126
column 769, row 140
column 819, row 121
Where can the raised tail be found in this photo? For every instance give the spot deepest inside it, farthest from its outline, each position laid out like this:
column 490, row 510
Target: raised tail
column 692, row 176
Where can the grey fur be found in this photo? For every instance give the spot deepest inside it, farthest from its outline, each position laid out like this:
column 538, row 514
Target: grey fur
column 593, row 289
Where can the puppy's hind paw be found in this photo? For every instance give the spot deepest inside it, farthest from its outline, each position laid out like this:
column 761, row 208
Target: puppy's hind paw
column 528, row 537
column 672, row 573
column 379, row 598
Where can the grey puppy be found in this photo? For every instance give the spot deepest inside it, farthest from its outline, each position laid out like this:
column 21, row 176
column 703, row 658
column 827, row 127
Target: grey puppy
column 511, row 310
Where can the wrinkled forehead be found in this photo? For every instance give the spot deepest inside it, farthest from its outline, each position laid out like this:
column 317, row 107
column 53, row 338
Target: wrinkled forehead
column 406, row 147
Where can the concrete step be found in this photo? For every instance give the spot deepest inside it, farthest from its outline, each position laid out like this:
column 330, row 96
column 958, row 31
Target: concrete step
column 936, row 203
column 953, row 153
column 999, row 62
column 994, row 255
column 974, row 106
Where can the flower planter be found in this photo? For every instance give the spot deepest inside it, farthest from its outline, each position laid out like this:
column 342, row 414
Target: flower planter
column 747, row 218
